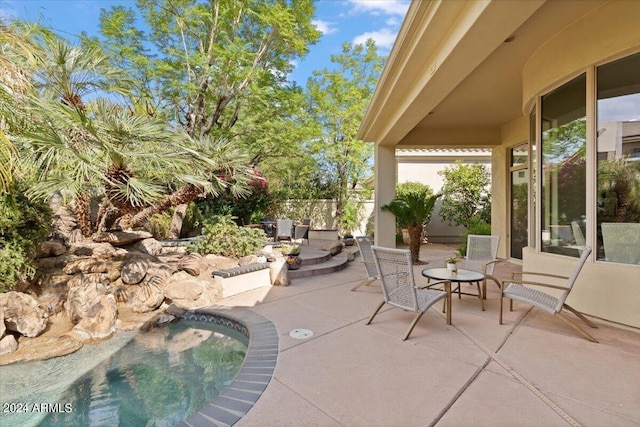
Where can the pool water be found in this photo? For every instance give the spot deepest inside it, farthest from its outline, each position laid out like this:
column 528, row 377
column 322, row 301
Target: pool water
column 154, row 378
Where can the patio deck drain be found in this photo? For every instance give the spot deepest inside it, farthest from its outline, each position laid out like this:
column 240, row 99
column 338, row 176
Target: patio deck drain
column 301, row 334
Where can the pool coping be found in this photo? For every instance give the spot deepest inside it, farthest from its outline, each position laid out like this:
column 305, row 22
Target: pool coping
column 255, row 373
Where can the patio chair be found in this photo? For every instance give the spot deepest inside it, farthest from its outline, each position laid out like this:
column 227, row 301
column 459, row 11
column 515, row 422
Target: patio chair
column 395, row 271
column 482, row 256
column 516, row 290
column 300, row 233
column 284, row 228
column 578, row 235
column 621, row 241
column 366, row 255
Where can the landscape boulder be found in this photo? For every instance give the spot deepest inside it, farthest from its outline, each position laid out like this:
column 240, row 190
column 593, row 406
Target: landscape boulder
column 278, row 272
column 134, row 271
column 147, row 296
column 191, row 264
column 121, row 238
column 22, row 314
column 148, row 246
column 334, row 247
column 50, row 248
column 99, row 321
column 8, row 345
column 193, row 292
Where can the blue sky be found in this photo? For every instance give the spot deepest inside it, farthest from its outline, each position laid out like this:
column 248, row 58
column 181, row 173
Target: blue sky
column 339, row 20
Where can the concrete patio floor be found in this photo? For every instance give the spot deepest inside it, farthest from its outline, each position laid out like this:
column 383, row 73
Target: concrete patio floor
column 533, row 370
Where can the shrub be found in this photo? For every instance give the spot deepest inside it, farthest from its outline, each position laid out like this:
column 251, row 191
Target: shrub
column 221, row 236
column 193, row 221
column 24, row 224
column 159, row 225
column 248, row 209
column 465, row 193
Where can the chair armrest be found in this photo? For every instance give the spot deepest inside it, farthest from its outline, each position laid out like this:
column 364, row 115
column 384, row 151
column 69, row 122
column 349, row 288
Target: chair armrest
column 429, row 285
column 486, row 264
column 520, row 273
column 545, row 285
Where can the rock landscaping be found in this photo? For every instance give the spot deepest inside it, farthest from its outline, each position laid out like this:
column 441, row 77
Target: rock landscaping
column 87, row 290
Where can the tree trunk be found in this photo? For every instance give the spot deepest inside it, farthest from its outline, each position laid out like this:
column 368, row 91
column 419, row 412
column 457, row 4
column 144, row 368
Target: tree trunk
column 176, row 221
column 185, row 194
column 82, row 212
column 415, row 240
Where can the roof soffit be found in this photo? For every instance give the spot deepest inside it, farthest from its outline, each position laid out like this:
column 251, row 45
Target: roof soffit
column 439, row 57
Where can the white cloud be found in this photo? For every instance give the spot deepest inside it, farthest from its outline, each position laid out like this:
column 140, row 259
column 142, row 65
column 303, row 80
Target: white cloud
column 380, row 7
column 384, row 38
column 324, row 26
column 394, row 21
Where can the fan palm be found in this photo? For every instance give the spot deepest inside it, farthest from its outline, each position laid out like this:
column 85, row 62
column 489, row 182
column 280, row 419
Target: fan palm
column 93, row 147
column 412, row 208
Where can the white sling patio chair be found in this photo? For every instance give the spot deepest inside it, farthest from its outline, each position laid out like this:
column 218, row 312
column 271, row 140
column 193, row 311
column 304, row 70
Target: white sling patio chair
column 482, row 256
column 395, row 271
column 283, row 229
column 516, row 290
column 364, row 247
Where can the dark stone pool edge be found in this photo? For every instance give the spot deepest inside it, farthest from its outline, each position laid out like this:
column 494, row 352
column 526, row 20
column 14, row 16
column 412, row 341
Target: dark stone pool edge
column 254, row 374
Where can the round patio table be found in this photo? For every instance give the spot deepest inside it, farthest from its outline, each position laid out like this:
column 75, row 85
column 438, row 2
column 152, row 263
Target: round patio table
column 459, row 276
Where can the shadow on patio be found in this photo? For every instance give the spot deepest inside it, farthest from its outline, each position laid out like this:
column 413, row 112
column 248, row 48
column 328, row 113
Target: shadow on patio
column 532, row 371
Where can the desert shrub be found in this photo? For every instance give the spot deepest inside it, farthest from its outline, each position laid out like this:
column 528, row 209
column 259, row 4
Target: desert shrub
column 159, row 225
column 247, row 209
column 221, row 236
column 193, row 221
column 24, row 223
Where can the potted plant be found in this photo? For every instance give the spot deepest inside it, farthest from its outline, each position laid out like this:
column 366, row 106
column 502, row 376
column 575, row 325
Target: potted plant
column 348, row 239
column 452, row 264
column 412, row 208
column 292, row 255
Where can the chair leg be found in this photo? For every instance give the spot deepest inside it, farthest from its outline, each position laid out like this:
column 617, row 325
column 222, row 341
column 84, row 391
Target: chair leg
column 577, row 328
column 581, row 316
column 413, row 325
column 480, row 295
column 363, row 283
column 375, row 312
column 500, row 317
column 484, row 285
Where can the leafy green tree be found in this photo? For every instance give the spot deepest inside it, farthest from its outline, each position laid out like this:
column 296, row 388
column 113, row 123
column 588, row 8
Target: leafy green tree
column 217, row 67
column 338, row 99
column 465, row 193
column 412, row 207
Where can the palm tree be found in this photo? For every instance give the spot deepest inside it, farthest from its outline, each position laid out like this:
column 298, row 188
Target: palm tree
column 412, row 208
column 86, row 146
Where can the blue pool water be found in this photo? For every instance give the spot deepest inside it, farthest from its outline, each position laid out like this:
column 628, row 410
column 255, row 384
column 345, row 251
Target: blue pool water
column 153, row 378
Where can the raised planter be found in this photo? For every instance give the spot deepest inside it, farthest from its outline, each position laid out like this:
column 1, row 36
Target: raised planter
column 242, row 279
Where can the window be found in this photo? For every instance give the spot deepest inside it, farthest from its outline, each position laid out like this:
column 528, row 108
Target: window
column 618, row 161
column 563, row 163
column 519, row 199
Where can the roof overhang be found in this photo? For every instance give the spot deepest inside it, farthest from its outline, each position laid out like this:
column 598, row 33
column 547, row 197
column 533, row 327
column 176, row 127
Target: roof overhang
column 454, row 75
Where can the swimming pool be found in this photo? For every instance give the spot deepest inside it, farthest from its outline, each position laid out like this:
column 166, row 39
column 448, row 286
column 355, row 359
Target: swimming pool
column 160, row 377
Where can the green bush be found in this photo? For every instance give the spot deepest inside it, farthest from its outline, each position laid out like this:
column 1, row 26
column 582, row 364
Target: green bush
column 193, row 221
column 159, row 225
column 221, row 236
column 23, row 225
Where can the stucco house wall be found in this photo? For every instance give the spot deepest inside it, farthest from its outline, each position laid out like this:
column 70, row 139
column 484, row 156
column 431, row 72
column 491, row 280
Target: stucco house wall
column 467, row 74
